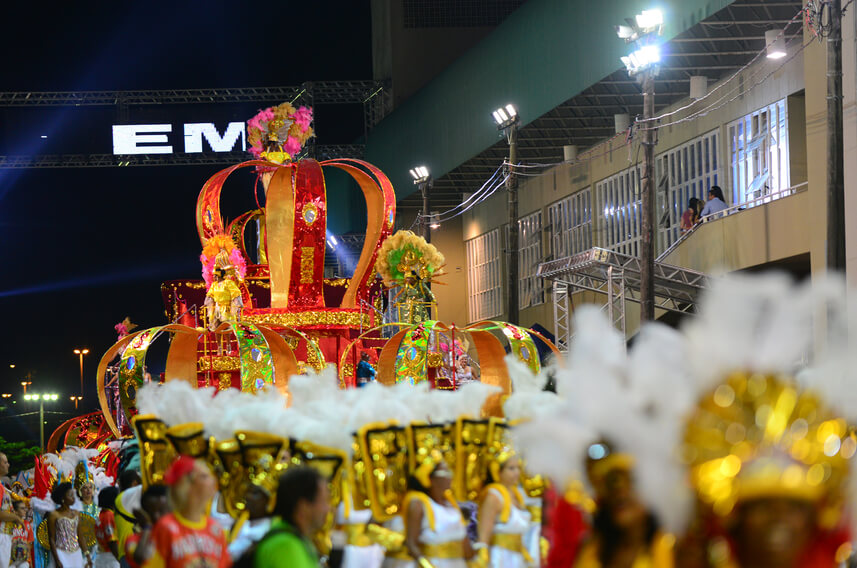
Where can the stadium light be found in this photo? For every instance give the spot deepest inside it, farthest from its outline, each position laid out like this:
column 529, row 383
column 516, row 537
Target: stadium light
column 505, row 116
column 775, row 40
column 420, row 174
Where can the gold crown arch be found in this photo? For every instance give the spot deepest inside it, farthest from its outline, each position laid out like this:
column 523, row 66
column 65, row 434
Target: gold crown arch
column 294, row 218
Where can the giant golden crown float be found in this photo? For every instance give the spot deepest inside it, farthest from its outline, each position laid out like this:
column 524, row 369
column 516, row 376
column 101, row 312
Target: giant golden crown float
column 272, row 314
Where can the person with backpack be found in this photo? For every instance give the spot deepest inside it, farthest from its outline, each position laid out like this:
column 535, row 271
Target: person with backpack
column 303, row 503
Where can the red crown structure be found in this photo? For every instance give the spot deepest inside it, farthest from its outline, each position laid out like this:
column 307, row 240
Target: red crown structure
column 286, row 287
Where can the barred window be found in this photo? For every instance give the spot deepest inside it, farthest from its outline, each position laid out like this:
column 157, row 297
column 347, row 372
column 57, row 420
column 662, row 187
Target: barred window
column 683, row 172
column 571, row 224
column 619, row 211
column 759, row 147
column 484, row 283
column 530, row 291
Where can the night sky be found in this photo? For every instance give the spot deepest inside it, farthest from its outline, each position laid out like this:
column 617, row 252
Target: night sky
column 83, row 248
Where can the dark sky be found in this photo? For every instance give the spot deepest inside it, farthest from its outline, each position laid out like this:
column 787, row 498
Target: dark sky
column 83, row 248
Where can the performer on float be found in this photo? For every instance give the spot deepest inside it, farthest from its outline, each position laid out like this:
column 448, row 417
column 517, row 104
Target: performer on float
column 416, row 299
column 365, row 372
column 435, row 530
column 64, row 529
column 223, row 300
column 408, row 261
column 503, row 518
column 623, row 533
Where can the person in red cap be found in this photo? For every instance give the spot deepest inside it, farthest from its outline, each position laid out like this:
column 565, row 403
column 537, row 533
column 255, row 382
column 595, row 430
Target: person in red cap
column 187, row 537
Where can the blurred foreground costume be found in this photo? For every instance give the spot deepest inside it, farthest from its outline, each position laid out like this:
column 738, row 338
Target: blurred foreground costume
column 738, row 426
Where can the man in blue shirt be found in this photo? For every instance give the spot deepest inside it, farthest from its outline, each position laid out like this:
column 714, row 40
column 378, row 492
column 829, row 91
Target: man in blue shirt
column 716, row 203
column 365, row 372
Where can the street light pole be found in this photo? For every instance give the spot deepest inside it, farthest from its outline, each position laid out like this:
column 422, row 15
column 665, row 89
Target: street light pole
column 647, row 215
column 643, row 63
column 422, row 179
column 835, row 168
column 512, row 188
column 41, row 398
column 507, row 120
column 80, row 353
column 425, row 188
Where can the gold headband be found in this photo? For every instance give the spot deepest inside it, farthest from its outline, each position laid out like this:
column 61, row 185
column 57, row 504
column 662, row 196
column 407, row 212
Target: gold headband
column 428, row 460
column 499, row 459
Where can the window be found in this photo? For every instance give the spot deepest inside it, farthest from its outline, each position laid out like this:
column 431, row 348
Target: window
column 759, row 148
column 683, row 172
column 484, row 284
column 619, row 211
column 571, row 224
column 529, row 256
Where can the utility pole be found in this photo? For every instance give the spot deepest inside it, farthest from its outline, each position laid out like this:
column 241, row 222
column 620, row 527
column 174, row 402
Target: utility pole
column 42, row 424
column 512, row 188
column 425, row 188
column 642, row 31
column 507, row 121
column 422, row 179
column 835, row 167
column 647, row 215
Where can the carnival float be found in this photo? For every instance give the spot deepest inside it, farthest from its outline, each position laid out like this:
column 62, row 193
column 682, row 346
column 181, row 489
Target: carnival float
column 263, row 310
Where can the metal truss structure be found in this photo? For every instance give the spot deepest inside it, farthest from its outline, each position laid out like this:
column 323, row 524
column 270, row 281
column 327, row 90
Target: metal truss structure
column 375, row 98
column 617, row 276
column 178, row 159
column 373, row 95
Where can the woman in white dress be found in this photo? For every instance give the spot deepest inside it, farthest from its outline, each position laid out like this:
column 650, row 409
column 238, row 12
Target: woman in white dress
column 503, row 518
column 64, row 529
column 360, row 551
column 434, row 528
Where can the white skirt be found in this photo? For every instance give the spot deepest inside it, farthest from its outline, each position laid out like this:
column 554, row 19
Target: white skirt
column 504, row 558
column 363, row 556
column 69, row 559
column 106, row 560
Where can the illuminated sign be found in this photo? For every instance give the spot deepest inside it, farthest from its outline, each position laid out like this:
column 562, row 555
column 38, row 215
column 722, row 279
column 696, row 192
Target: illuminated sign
column 155, row 138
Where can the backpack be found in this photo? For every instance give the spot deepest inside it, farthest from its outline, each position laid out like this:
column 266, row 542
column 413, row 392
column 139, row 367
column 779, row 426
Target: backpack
column 248, row 558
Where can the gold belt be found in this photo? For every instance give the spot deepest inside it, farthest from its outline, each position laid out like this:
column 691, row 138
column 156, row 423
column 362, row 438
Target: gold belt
column 513, row 542
column 357, row 535
column 453, row 549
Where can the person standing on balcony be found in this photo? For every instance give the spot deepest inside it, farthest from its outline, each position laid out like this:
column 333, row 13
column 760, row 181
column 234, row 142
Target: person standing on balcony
column 690, row 217
column 716, row 202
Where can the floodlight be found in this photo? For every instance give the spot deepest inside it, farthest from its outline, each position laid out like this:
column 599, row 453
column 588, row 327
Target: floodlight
column 506, row 116
column 775, row 41
column 644, row 57
column 625, row 32
column 650, row 19
column 434, row 220
column 420, row 174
